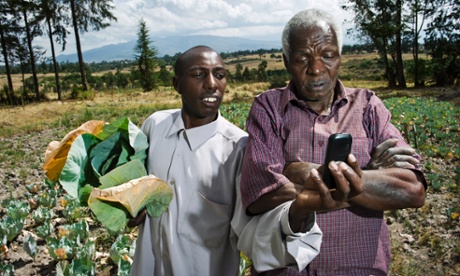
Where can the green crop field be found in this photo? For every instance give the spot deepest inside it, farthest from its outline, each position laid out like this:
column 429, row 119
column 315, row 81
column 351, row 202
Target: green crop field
column 45, row 231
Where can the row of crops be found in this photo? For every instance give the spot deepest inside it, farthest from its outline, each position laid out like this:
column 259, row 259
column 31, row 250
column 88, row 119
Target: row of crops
column 73, row 237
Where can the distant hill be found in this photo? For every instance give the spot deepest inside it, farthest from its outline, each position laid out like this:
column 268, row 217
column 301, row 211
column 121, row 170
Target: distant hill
column 170, row 46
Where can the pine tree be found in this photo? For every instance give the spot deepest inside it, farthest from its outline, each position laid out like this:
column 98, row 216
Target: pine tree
column 145, row 57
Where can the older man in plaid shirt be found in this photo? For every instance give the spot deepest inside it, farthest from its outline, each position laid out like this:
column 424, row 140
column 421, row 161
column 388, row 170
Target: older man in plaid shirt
column 288, row 133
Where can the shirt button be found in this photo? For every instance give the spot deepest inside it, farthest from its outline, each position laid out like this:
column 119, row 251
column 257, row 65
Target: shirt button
column 320, row 143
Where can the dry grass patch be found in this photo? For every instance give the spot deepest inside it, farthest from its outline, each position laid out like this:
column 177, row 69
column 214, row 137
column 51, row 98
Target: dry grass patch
column 42, row 115
column 245, row 91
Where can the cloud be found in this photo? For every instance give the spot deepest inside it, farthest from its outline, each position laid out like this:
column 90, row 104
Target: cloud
column 256, row 19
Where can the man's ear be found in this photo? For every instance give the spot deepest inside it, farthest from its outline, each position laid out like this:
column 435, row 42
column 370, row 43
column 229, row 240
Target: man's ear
column 176, row 84
column 286, row 63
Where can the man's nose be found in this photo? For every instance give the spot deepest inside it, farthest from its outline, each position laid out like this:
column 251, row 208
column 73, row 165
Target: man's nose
column 316, row 67
column 211, row 82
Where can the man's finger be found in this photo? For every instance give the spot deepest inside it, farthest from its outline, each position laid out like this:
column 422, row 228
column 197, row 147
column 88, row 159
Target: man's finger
column 327, row 202
column 389, row 143
column 354, row 180
column 354, row 164
column 139, row 219
column 342, row 186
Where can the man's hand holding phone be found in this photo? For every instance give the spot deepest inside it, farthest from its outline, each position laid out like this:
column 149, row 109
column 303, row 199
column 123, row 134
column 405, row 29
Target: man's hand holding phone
column 317, row 197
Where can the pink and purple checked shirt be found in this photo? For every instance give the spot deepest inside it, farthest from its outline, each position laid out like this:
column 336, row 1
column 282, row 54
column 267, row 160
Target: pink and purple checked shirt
column 283, row 129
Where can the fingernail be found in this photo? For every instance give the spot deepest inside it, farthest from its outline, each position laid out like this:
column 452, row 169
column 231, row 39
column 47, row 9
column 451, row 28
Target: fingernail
column 333, row 165
column 343, row 165
column 352, row 158
column 314, row 173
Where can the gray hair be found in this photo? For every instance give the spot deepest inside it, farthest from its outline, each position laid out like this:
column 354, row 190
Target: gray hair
column 309, row 18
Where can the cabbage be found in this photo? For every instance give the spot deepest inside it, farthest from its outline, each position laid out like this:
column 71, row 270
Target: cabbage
column 148, row 191
column 103, row 166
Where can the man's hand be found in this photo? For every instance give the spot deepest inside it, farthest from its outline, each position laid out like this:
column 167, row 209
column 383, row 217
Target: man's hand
column 133, row 222
column 299, row 172
column 321, row 199
column 386, row 155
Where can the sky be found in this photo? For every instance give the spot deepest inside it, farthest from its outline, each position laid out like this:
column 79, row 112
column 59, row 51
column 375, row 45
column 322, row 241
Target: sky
column 253, row 19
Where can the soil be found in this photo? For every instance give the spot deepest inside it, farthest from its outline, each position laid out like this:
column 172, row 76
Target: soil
column 425, row 241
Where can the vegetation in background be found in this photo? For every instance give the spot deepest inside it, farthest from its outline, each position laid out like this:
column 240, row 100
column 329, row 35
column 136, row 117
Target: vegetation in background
column 87, row 14
column 429, row 125
column 145, row 58
column 394, row 27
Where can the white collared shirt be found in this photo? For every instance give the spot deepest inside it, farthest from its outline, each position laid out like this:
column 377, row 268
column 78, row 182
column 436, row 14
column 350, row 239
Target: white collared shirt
column 198, row 234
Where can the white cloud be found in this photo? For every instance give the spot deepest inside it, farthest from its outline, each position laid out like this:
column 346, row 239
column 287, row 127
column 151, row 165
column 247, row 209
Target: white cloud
column 256, row 19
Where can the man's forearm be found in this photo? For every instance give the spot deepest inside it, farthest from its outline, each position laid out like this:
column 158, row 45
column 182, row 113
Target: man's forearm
column 393, row 188
column 274, row 198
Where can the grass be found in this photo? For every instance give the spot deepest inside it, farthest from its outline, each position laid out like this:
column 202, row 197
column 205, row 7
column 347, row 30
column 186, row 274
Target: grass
column 135, row 104
column 437, row 133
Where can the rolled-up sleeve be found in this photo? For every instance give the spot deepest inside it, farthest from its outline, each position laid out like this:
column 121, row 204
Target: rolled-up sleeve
column 268, row 240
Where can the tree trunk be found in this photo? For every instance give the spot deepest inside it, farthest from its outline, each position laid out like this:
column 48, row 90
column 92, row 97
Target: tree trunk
column 31, row 52
column 388, row 70
column 53, row 54
column 81, row 63
column 9, row 90
column 398, row 48
column 415, row 46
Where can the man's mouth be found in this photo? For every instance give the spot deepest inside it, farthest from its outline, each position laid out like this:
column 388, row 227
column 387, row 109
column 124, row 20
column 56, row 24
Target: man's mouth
column 210, row 99
column 317, row 85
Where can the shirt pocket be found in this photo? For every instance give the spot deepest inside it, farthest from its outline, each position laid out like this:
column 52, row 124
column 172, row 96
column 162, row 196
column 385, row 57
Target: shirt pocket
column 362, row 149
column 206, row 222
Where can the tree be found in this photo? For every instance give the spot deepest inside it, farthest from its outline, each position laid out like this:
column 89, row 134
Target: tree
column 443, row 40
column 145, row 57
column 85, row 14
column 417, row 16
column 398, row 45
column 54, row 13
column 165, row 76
column 238, row 72
column 8, row 40
column 246, row 76
column 261, row 73
column 375, row 19
column 31, row 31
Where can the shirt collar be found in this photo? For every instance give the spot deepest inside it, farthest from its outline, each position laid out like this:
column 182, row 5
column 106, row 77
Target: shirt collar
column 289, row 95
column 198, row 135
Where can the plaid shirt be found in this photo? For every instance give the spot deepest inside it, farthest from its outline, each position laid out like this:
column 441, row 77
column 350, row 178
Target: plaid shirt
column 283, row 129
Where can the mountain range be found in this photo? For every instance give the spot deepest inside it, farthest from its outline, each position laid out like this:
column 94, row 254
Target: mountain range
column 170, row 46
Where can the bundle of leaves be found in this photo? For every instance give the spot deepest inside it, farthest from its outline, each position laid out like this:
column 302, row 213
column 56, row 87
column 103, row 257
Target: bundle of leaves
column 102, row 166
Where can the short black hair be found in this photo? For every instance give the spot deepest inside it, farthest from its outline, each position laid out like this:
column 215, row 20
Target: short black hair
column 183, row 57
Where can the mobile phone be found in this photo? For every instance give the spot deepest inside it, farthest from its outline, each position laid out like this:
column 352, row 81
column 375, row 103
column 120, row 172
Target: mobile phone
column 338, row 148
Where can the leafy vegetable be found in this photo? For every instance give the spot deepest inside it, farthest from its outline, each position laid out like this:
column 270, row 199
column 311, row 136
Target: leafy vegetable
column 16, row 209
column 77, row 231
column 6, row 269
column 56, row 153
column 122, row 249
column 10, row 227
column 72, row 208
column 42, row 214
column 102, row 165
column 74, row 174
column 60, row 249
column 148, row 191
column 45, row 230
column 30, row 246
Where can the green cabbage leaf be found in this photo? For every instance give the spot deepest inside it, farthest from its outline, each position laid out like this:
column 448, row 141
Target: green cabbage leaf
column 105, row 170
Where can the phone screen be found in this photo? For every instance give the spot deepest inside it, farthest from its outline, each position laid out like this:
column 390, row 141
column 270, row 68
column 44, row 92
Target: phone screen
column 338, row 148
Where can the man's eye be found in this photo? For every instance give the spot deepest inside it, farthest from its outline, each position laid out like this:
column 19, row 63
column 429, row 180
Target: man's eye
column 220, row 75
column 198, row 75
column 302, row 59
